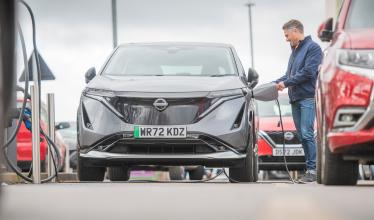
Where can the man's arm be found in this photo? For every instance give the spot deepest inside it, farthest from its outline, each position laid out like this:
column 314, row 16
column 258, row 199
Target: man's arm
column 283, row 78
column 312, row 62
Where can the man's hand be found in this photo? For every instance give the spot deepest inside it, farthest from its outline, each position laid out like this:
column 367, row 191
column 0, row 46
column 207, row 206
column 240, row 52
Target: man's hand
column 280, row 86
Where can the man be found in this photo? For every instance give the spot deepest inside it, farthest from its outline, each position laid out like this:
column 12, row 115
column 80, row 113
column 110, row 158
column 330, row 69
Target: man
column 300, row 79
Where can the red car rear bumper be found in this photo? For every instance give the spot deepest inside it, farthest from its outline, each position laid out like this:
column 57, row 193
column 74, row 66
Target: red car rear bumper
column 350, row 90
column 343, row 140
column 24, row 151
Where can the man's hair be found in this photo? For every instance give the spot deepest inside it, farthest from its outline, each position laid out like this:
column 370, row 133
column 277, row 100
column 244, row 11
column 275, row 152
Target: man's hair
column 294, row 24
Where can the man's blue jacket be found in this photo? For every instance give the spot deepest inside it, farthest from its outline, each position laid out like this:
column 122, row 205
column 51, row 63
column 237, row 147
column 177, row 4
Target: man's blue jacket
column 302, row 70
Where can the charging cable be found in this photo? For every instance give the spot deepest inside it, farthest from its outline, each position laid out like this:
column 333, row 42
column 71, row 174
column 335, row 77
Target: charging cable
column 284, row 144
column 284, row 151
column 25, row 113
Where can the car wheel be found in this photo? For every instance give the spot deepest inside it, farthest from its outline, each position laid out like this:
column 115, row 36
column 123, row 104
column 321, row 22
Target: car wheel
column 176, row 173
column 335, row 170
column 86, row 173
column 319, row 133
column 73, row 160
column 255, row 164
column 319, row 157
column 249, row 172
column 119, row 173
column 197, row 173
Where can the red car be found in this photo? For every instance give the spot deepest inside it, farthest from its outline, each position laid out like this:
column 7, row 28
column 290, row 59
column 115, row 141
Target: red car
column 345, row 106
column 270, row 138
column 24, row 143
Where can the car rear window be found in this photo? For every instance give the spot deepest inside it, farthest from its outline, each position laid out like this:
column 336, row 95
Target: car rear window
column 360, row 14
column 171, row 61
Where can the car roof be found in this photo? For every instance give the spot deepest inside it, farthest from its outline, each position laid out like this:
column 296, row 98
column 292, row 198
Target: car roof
column 201, row 44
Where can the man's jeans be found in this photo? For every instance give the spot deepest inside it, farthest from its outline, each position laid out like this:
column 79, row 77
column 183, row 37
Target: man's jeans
column 303, row 113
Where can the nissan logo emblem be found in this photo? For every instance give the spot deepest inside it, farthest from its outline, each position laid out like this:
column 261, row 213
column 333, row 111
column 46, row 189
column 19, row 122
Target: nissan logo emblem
column 160, row 104
column 288, row 136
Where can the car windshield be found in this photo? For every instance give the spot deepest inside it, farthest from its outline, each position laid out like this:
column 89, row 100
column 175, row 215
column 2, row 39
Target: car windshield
column 361, row 15
column 158, row 60
column 270, row 109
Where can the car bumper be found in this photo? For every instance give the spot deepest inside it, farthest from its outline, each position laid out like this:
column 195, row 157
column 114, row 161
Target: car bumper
column 341, row 140
column 277, row 163
column 26, row 165
column 351, row 138
column 349, row 90
column 24, row 151
column 226, row 159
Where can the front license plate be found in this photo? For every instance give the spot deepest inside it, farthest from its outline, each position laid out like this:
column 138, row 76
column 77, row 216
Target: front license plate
column 289, row 152
column 160, row 131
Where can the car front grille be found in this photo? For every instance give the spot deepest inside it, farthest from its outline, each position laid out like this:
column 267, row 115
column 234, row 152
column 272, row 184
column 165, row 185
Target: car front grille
column 201, row 144
column 155, row 147
column 169, row 149
column 141, row 111
column 277, row 137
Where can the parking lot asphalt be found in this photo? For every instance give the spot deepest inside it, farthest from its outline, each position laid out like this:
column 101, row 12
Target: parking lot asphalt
column 211, row 200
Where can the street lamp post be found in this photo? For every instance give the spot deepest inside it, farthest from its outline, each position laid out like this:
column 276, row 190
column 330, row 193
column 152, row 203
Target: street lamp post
column 250, row 33
column 114, row 22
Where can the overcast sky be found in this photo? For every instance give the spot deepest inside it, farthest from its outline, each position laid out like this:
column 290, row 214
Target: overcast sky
column 74, row 35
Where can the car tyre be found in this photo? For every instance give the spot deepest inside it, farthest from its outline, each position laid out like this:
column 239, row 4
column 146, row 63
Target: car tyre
column 335, row 170
column 255, row 164
column 320, row 132
column 86, row 173
column 319, row 157
column 249, row 172
column 119, row 173
column 197, row 173
column 176, row 173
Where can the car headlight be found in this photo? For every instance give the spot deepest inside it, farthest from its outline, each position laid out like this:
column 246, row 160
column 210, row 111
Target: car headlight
column 219, row 97
column 103, row 96
column 356, row 58
column 98, row 92
column 225, row 93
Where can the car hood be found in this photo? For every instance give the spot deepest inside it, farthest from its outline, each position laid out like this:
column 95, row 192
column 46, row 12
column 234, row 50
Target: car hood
column 271, row 124
column 165, row 83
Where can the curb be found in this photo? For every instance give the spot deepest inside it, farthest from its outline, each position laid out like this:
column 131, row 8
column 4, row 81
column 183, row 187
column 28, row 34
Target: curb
column 12, row 178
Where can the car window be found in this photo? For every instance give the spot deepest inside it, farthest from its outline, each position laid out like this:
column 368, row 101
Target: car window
column 360, row 14
column 68, row 133
column 171, row 61
column 270, row 109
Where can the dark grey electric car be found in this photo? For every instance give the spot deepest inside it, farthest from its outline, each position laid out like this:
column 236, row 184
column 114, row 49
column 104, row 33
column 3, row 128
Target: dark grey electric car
column 168, row 104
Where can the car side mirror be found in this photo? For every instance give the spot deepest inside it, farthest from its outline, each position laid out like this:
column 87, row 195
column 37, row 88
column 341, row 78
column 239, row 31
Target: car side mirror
column 62, row 125
column 325, row 31
column 265, row 92
column 90, row 74
column 252, row 78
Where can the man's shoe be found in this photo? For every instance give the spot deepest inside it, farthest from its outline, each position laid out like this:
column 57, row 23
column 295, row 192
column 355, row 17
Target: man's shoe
column 309, row 177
